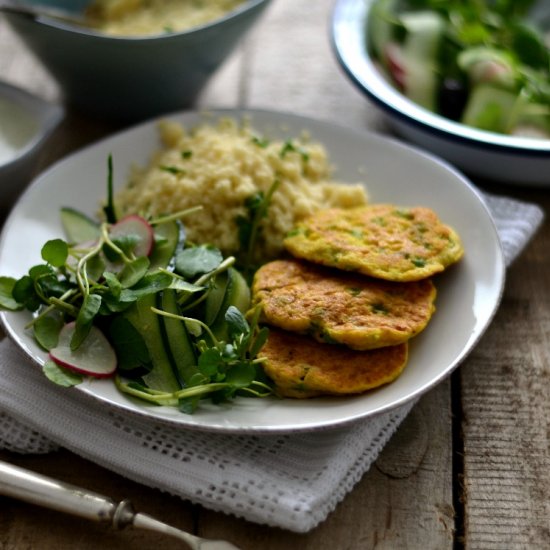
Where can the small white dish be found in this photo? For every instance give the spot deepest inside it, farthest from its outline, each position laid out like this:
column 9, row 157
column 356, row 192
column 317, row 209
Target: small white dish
column 26, row 121
column 468, row 293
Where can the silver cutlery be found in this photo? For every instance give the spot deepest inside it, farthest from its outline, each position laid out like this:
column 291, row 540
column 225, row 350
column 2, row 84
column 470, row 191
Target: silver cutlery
column 44, row 491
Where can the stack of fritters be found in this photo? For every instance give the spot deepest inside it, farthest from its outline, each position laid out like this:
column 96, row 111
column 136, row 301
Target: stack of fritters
column 358, row 288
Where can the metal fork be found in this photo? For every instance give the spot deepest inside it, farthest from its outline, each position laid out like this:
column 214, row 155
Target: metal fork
column 44, row 491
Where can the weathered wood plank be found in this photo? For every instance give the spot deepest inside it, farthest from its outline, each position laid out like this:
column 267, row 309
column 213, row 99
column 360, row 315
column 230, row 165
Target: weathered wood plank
column 506, row 404
column 403, row 502
column 291, row 67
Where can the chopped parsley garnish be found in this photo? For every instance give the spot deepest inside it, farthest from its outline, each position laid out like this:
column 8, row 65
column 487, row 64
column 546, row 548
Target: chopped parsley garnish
column 406, row 214
column 260, row 142
column 419, row 262
column 289, row 147
column 380, row 308
column 249, row 226
column 172, row 170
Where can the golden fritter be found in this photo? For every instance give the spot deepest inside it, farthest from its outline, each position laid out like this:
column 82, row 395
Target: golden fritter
column 380, row 240
column 341, row 307
column 301, row 368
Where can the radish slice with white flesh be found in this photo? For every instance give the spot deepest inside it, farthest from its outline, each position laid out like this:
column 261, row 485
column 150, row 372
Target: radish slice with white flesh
column 140, row 228
column 95, row 356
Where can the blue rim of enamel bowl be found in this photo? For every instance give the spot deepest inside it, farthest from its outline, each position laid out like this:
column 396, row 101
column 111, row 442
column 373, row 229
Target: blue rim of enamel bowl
column 349, row 38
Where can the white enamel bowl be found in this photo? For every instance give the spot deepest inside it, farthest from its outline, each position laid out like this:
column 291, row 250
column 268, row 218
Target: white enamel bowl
column 496, row 157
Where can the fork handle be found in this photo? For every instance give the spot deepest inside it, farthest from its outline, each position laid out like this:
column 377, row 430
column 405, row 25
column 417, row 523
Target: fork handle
column 44, row 491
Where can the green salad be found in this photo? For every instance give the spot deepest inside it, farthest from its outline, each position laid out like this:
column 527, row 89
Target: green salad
column 483, row 63
column 131, row 299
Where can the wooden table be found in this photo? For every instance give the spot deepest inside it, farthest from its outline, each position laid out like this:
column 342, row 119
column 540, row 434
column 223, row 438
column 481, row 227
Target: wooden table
column 469, row 467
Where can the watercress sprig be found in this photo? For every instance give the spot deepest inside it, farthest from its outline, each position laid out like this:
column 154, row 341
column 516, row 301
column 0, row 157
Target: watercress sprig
column 249, row 226
column 224, row 368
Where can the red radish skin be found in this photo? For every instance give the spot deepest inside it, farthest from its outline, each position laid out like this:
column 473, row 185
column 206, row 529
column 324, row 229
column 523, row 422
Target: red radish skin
column 135, row 225
column 396, row 64
column 95, row 356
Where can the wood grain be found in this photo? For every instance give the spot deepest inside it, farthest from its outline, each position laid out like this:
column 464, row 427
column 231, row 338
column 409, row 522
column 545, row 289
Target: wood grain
column 500, row 447
column 506, row 404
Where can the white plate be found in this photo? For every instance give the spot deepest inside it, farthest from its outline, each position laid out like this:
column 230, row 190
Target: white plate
column 468, row 295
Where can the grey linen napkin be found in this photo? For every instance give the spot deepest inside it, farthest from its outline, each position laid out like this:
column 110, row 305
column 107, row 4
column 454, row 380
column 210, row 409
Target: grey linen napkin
column 289, row 481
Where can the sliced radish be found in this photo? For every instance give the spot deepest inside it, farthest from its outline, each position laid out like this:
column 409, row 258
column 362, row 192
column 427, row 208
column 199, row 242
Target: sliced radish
column 95, row 356
column 79, row 249
column 138, row 226
column 396, row 64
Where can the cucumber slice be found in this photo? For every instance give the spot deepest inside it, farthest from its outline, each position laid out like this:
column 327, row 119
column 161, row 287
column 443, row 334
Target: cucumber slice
column 148, row 324
column 78, row 227
column 530, row 119
column 167, row 237
column 215, row 297
column 177, row 339
column 420, row 57
column 238, row 295
column 490, row 108
column 488, row 66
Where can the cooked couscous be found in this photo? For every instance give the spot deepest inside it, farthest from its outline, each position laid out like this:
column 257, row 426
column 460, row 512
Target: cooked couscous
column 219, row 167
column 145, row 17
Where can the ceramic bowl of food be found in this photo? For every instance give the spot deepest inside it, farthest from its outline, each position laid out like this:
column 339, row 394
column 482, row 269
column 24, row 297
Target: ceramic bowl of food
column 130, row 62
column 484, row 109
column 26, row 121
